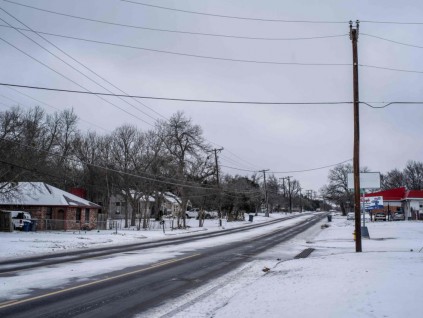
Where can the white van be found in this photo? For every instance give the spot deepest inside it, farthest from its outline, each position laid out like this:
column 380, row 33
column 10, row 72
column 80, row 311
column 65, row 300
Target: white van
column 20, row 218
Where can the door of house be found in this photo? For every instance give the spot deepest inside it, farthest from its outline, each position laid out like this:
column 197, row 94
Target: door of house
column 60, row 222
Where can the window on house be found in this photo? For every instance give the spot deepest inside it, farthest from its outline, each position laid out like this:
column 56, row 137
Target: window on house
column 117, row 203
column 87, row 215
column 49, row 213
column 78, row 215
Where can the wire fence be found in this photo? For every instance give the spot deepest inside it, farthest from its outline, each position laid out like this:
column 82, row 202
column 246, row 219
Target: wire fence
column 108, row 224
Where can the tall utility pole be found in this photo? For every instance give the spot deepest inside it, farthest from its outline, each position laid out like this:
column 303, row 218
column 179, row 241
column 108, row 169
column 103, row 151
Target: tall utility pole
column 265, row 193
column 218, row 183
column 356, row 155
column 283, row 186
column 301, row 201
column 289, row 191
column 309, row 194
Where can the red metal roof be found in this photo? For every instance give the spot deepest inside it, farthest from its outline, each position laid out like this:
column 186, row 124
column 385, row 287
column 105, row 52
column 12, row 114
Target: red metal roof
column 396, row 194
column 415, row 194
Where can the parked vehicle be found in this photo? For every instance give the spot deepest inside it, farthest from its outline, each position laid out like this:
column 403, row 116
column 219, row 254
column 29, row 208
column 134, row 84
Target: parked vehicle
column 20, row 219
column 195, row 212
column 380, row 217
column 351, row 216
column 399, row 217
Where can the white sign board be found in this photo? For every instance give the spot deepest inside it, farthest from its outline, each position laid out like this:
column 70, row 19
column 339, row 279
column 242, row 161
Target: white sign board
column 368, row 180
column 371, row 203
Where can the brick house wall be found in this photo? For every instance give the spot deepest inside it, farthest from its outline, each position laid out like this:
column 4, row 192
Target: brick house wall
column 50, row 218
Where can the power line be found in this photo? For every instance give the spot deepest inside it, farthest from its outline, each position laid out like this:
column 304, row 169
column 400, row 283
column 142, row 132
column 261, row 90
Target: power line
column 152, row 178
column 390, row 69
column 312, row 169
column 232, row 17
column 220, row 58
column 82, row 66
column 239, row 169
column 204, row 100
column 187, row 54
column 131, row 26
column 210, row 14
column 175, row 99
column 391, row 103
column 35, row 59
column 56, row 108
column 390, row 22
column 109, row 169
column 71, row 66
column 291, row 171
column 392, row 41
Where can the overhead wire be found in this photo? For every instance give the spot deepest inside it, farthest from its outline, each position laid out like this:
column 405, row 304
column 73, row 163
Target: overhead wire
column 233, row 17
column 64, row 76
column 392, row 41
column 199, row 56
column 391, row 22
column 148, row 176
column 220, row 58
column 292, row 171
column 131, row 26
column 390, row 103
column 177, row 99
column 174, row 31
column 390, row 69
column 56, row 108
column 110, row 169
column 69, row 65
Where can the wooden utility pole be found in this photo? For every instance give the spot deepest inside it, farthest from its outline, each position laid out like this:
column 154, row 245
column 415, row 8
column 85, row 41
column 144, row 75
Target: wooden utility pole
column 289, row 191
column 265, row 193
column 218, row 183
column 356, row 155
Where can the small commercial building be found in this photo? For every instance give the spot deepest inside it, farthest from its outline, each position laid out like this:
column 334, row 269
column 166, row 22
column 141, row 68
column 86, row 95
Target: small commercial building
column 401, row 200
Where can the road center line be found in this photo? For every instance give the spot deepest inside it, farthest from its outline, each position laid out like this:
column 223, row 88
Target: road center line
column 13, row 303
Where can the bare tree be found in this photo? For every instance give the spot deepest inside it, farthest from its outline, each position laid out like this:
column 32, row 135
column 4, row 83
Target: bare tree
column 185, row 145
column 413, row 175
column 337, row 190
column 392, row 179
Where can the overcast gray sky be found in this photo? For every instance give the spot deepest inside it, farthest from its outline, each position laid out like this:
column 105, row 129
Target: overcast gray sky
column 276, row 137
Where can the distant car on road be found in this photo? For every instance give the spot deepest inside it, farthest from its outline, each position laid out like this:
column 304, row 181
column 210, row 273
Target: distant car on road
column 399, row 217
column 351, row 216
column 380, row 217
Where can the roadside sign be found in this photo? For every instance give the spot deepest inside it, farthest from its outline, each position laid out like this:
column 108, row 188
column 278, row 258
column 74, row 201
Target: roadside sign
column 371, row 203
column 368, row 180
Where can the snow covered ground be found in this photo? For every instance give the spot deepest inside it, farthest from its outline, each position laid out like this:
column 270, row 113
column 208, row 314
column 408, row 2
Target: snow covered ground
column 24, row 244
column 383, row 281
column 19, row 244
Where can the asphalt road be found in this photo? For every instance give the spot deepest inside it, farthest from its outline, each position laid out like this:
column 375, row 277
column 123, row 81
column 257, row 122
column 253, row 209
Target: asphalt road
column 137, row 289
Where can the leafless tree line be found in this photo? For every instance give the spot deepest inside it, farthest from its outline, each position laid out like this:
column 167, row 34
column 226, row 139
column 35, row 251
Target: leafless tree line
column 173, row 156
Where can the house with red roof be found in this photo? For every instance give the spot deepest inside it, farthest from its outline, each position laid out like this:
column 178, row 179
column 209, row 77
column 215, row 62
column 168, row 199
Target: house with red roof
column 409, row 202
